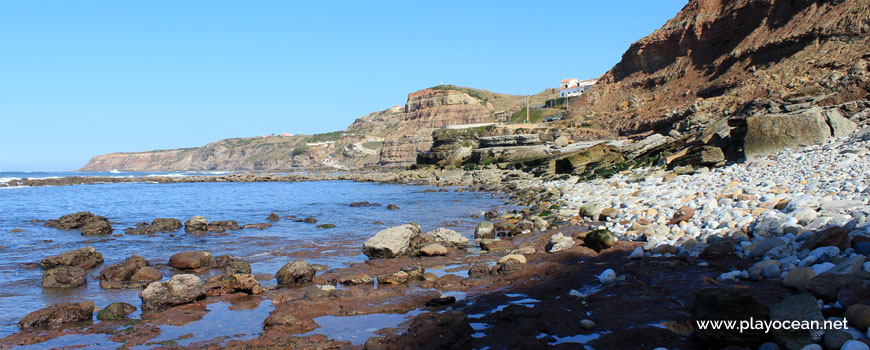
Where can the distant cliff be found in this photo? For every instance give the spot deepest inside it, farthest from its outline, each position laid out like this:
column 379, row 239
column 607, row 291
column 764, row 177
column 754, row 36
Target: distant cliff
column 391, row 137
column 715, row 57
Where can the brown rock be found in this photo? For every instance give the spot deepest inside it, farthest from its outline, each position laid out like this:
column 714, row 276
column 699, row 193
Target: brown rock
column 394, row 278
column 85, row 258
column 433, row 249
column 190, row 260
column 685, row 213
column 357, row 279
column 858, row 315
column 146, row 274
column 832, row 236
column 64, row 277
column 296, row 273
column 57, row 315
column 273, row 217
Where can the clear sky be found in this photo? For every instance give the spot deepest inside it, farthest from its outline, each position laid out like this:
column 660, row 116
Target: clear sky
column 81, row 78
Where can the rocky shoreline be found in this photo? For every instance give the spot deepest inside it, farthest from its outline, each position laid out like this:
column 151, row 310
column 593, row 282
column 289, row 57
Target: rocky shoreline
column 601, row 263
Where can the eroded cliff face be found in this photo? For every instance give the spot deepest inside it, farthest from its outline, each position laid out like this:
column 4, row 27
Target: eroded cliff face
column 392, row 137
column 715, row 57
column 230, row 154
column 425, row 111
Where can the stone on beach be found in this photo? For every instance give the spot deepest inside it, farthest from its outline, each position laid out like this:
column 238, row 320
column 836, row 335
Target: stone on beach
column 446, row 237
column 599, row 240
column 297, row 273
column 433, row 249
column 57, row 314
column 180, row 289
column 559, row 242
column 484, row 230
column 392, row 242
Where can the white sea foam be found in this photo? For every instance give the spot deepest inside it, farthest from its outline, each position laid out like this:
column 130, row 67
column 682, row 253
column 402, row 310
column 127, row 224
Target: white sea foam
column 115, row 171
column 7, row 179
column 166, row 175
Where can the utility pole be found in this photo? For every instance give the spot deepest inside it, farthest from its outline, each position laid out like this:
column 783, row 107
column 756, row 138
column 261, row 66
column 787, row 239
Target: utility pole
column 527, row 104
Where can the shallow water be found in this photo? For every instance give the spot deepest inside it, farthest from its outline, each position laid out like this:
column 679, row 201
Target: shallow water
column 128, row 203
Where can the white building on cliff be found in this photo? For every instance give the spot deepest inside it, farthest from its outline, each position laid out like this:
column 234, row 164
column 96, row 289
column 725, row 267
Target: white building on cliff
column 574, row 87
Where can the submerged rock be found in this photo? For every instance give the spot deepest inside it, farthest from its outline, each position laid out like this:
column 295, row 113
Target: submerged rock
column 57, row 315
column 64, row 277
column 115, row 311
column 134, row 272
column 164, row 225
column 180, row 289
column 90, row 224
column 85, row 258
column 196, row 224
column 273, row 217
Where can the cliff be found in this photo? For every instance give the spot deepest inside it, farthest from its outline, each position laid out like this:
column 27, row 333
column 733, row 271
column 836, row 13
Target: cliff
column 392, row 137
column 716, row 57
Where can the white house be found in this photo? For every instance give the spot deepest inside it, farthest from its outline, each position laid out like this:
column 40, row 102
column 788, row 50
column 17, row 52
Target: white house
column 574, row 87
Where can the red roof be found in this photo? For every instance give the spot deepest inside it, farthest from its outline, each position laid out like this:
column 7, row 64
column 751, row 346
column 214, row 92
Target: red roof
column 567, row 80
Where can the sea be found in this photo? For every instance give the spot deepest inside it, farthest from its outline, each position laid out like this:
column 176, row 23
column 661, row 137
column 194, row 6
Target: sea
column 125, row 204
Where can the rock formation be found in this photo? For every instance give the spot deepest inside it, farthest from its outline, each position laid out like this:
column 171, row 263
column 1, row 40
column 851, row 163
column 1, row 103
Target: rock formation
column 716, row 58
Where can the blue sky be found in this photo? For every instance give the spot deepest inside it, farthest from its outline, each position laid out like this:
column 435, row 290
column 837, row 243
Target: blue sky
column 81, row 78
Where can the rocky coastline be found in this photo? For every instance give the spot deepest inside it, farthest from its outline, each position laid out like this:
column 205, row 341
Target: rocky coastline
column 638, row 255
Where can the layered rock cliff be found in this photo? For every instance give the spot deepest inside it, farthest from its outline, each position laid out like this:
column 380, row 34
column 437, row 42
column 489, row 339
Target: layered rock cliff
column 425, row 111
column 716, row 57
column 392, row 137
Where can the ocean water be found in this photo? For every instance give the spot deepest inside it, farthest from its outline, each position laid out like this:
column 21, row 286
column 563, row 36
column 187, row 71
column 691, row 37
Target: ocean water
column 6, row 176
column 267, row 250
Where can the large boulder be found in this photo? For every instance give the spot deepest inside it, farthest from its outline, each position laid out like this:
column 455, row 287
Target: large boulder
column 85, row 258
column 134, row 272
column 190, row 260
column 770, row 133
column 800, row 307
column 115, row 311
column 57, row 315
column 727, row 304
column 164, row 225
column 446, row 237
column 180, row 289
column 64, row 277
column 392, row 242
column 296, row 273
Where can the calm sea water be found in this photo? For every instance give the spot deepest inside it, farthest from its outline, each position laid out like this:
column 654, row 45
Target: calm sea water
column 129, row 203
